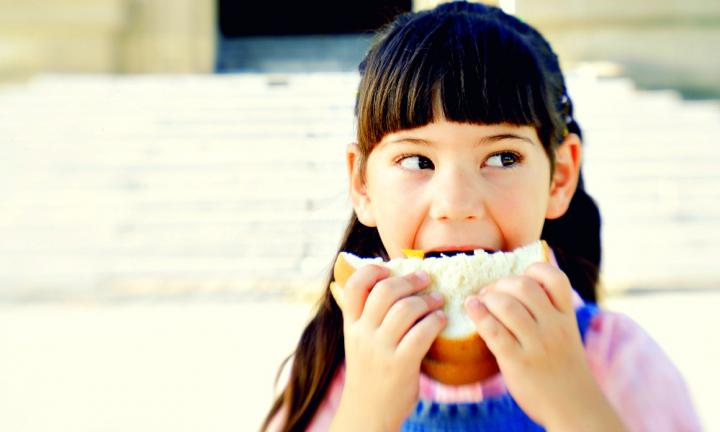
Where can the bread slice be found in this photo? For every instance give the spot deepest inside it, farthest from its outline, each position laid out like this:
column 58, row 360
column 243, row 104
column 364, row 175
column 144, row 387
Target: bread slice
column 458, row 355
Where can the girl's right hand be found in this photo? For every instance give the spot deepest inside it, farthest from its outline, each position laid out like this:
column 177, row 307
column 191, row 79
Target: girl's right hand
column 388, row 330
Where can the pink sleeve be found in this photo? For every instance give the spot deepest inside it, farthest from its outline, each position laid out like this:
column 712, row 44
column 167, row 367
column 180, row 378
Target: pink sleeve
column 325, row 412
column 637, row 377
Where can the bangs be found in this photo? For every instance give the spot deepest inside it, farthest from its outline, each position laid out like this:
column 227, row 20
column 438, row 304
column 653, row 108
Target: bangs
column 473, row 69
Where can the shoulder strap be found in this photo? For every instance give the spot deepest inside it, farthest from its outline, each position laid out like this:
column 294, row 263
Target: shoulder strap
column 585, row 315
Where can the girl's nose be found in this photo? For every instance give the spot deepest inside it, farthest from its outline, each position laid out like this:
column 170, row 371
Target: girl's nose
column 456, row 197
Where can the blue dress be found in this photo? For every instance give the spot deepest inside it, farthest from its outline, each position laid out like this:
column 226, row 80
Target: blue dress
column 500, row 413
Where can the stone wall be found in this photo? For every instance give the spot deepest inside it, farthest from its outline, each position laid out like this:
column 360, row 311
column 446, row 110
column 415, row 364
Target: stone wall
column 100, row 36
column 169, row 36
column 61, row 35
column 657, row 43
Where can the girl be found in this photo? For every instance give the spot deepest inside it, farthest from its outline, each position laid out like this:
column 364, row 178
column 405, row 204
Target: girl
column 466, row 140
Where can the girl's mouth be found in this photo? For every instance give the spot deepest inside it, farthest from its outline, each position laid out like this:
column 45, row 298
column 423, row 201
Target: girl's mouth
column 450, row 253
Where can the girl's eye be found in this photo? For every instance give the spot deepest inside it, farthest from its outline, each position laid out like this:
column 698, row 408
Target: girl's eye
column 416, row 162
column 503, row 160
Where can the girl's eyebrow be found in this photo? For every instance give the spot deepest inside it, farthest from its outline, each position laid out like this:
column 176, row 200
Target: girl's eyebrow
column 483, row 141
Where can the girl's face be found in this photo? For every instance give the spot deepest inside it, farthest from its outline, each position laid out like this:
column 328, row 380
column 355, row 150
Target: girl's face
column 460, row 186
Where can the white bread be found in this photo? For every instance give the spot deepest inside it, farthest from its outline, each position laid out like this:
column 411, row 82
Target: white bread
column 458, row 355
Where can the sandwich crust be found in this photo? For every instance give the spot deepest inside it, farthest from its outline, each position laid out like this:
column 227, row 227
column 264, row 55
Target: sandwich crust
column 342, row 270
column 469, row 349
column 459, row 373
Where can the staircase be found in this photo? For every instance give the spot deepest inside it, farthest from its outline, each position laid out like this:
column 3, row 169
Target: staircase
column 234, row 186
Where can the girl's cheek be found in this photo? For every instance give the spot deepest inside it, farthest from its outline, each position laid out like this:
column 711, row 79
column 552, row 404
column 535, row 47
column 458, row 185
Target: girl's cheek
column 502, row 193
column 508, row 201
column 502, row 181
column 409, row 186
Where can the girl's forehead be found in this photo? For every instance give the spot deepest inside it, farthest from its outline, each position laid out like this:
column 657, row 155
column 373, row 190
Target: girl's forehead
column 441, row 130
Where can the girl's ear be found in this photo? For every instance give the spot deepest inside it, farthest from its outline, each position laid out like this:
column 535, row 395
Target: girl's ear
column 358, row 189
column 565, row 179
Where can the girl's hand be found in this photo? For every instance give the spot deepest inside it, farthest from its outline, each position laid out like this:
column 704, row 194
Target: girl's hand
column 388, row 330
column 529, row 324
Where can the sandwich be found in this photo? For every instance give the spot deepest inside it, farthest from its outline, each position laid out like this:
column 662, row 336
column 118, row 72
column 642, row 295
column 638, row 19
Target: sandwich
column 459, row 355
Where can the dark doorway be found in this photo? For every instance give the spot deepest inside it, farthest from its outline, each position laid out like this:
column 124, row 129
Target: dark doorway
column 298, row 36
column 281, row 18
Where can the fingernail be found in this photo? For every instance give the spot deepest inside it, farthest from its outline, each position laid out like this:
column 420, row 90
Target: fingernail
column 473, row 303
column 422, row 276
column 440, row 313
column 436, row 296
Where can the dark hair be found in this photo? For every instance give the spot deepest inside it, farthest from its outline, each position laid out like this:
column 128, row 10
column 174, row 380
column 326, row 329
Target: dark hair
column 481, row 66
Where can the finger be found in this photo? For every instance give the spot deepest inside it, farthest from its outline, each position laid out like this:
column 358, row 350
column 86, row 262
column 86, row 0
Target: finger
column 388, row 291
column 417, row 341
column 528, row 291
column 357, row 288
column 499, row 340
column 404, row 313
column 555, row 283
column 511, row 313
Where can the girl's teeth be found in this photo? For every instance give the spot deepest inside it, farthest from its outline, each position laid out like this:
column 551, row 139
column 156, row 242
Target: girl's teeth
column 447, row 253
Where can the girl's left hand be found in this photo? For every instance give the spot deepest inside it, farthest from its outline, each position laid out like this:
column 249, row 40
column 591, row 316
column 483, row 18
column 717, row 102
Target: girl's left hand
column 529, row 324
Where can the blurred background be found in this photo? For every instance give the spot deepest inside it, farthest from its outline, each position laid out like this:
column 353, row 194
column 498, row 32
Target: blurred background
column 173, row 192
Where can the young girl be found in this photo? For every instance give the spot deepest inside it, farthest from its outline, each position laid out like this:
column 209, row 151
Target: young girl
column 466, row 140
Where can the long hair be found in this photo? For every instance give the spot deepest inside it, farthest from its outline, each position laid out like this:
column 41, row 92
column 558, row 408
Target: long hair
column 480, row 66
